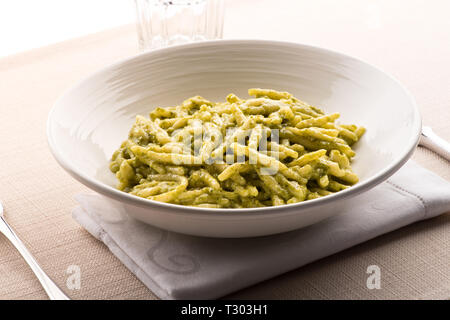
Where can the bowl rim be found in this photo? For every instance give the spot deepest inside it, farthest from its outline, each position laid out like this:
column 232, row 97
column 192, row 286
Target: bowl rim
column 121, row 196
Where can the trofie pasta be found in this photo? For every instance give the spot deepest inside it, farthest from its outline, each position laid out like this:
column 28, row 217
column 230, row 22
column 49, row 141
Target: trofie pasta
column 269, row 150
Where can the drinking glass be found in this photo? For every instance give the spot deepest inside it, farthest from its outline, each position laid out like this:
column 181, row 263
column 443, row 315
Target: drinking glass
column 163, row 23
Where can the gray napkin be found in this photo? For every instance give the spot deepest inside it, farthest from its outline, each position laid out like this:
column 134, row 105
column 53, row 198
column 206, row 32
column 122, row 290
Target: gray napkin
column 176, row 266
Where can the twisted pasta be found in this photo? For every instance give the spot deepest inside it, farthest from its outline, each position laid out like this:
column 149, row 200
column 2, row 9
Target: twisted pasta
column 269, row 150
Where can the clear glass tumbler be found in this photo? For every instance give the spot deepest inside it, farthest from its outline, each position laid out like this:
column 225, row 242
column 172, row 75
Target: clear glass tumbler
column 163, row 23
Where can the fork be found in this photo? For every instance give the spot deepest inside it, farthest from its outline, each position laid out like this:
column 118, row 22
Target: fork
column 52, row 290
column 433, row 142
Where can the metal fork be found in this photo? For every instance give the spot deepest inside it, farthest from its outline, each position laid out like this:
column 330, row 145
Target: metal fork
column 52, row 290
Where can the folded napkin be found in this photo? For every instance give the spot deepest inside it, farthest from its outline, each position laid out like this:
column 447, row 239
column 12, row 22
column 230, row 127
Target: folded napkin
column 176, row 266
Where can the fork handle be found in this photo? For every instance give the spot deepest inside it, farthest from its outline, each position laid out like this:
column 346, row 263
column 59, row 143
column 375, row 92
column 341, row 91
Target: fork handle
column 52, row 290
column 432, row 141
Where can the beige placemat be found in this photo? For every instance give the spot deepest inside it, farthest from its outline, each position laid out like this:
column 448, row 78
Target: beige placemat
column 38, row 194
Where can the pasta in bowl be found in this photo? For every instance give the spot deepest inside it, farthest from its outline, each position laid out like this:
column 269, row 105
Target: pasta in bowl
column 270, row 150
column 88, row 123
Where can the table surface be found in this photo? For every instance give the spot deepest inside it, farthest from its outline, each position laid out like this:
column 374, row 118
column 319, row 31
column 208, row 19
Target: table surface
column 409, row 39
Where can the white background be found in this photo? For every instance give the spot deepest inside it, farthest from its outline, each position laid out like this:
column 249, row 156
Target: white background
column 27, row 24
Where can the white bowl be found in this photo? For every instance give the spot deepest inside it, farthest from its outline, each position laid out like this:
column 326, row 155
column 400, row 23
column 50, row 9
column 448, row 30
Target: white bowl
column 91, row 120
